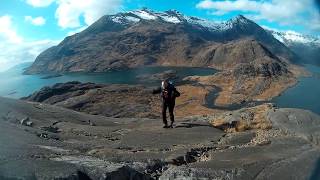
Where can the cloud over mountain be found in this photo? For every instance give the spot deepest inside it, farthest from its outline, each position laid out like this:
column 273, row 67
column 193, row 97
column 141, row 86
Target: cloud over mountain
column 284, row 12
column 14, row 48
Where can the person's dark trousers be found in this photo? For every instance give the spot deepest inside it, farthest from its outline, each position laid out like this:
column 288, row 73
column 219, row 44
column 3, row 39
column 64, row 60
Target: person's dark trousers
column 170, row 105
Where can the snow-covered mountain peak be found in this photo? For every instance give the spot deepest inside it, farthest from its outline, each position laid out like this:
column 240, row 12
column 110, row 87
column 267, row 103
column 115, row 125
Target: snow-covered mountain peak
column 174, row 12
column 288, row 37
column 170, row 16
column 145, row 14
column 173, row 16
column 239, row 19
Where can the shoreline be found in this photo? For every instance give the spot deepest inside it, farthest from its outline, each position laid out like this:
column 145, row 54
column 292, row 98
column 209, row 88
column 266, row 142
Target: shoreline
column 209, row 98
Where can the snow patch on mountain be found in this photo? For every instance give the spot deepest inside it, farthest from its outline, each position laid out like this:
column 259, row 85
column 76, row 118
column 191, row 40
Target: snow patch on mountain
column 132, row 19
column 203, row 22
column 288, row 37
column 175, row 17
column 170, row 19
column 145, row 14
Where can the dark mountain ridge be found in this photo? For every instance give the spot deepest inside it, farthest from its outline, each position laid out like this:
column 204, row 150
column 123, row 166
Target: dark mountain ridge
column 145, row 37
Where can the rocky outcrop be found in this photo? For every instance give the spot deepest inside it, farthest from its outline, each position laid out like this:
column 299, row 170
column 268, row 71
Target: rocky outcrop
column 107, row 100
column 130, row 40
column 139, row 148
column 256, row 75
column 246, row 83
column 244, row 119
column 120, row 100
column 62, row 91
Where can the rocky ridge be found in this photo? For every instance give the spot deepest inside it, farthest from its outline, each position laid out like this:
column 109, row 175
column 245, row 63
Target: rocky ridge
column 262, row 142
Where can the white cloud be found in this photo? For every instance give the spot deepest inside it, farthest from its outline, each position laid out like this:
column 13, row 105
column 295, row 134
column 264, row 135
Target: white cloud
column 6, row 30
column 27, row 51
column 271, row 29
column 37, row 21
column 14, row 48
column 226, row 6
column 284, row 12
column 69, row 12
column 40, row 3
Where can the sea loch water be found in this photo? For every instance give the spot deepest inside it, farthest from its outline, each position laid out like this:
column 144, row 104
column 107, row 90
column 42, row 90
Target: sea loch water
column 14, row 84
column 305, row 95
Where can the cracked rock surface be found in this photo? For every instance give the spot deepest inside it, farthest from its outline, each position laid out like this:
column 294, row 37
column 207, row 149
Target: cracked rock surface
column 64, row 144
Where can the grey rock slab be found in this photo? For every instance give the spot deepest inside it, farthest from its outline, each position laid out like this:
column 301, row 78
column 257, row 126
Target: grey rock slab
column 239, row 138
column 297, row 121
column 165, row 138
column 120, row 148
column 273, row 161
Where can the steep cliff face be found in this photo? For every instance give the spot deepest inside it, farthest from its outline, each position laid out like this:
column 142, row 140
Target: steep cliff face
column 145, row 37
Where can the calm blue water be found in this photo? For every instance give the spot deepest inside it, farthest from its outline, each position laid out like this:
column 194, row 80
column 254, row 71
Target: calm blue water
column 305, row 95
column 15, row 85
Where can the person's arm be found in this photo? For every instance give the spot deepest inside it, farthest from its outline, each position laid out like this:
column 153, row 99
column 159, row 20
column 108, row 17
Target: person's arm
column 156, row 91
column 176, row 93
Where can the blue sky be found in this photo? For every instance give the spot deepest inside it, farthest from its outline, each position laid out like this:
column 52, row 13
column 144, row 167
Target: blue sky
column 30, row 26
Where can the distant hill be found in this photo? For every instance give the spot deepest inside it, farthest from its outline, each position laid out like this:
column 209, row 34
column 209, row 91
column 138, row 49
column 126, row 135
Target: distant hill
column 169, row 38
column 19, row 67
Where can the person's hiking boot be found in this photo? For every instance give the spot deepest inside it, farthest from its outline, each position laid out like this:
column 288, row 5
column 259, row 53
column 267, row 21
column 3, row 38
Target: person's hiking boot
column 171, row 125
column 166, row 126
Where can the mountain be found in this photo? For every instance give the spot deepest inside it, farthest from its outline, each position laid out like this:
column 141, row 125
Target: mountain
column 305, row 46
column 169, row 38
column 19, row 67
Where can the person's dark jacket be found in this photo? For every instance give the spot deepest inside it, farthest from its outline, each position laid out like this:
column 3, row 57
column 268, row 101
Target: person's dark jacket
column 168, row 94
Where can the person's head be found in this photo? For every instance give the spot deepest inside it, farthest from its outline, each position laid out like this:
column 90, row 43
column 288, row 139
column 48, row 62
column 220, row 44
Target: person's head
column 165, row 84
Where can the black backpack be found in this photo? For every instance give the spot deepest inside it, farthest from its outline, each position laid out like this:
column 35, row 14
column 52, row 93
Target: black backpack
column 176, row 93
column 171, row 91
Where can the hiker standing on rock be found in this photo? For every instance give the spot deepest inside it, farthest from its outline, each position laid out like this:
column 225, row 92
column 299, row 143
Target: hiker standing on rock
column 168, row 95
